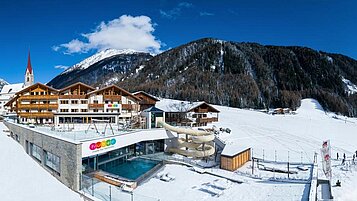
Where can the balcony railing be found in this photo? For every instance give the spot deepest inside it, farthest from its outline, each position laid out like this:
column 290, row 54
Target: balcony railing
column 112, row 97
column 130, row 107
column 37, row 106
column 72, row 96
column 96, row 105
column 199, row 110
column 206, row 120
column 39, row 97
column 36, row 114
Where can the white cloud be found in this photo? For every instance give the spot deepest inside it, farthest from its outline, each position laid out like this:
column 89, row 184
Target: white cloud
column 61, row 67
column 126, row 32
column 206, row 14
column 176, row 11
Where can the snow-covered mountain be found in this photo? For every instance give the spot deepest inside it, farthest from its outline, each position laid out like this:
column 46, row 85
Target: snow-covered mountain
column 227, row 73
column 350, row 87
column 102, row 68
column 97, row 57
column 2, row 83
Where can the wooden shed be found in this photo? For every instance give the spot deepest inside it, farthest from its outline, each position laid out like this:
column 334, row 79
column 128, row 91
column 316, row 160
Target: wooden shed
column 232, row 160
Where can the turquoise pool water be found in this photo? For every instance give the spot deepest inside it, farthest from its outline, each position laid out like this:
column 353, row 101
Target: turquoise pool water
column 132, row 169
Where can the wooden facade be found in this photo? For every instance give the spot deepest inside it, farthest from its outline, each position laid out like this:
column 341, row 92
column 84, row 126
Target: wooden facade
column 76, row 103
column 197, row 115
column 35, row 103
column 236, row 161
column 146, row 100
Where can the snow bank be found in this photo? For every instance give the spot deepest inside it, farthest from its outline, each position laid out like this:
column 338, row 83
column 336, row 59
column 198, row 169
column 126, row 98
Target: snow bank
column 23, row 179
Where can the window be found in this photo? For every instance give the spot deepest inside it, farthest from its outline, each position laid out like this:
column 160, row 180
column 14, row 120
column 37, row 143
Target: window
column 84, row 101
column 64, row 101
column 35, row 151
column 84, row 110
column 74, row 110
column 53, row 161
column 95, row 101
column 95, row 110
column 63, row 110
column 74, row 101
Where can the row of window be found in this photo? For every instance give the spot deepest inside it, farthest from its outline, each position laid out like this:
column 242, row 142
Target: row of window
column 39, row 93
column 86, row 110
column 51, row 160
column 74, row 102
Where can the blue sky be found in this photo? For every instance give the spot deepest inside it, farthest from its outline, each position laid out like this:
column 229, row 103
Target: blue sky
column 63, row 32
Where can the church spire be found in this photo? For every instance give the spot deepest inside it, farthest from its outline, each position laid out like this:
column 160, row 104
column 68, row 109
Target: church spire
column 29, row 67
column 29, row 77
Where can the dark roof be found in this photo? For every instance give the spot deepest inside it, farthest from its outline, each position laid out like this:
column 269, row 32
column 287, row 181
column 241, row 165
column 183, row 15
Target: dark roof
column 77, row 83
column 147, row 94
column 153, row 109
column 115, row 86
column 37, row 84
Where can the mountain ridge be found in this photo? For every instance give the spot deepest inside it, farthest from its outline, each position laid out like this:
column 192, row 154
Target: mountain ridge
column 245, row 75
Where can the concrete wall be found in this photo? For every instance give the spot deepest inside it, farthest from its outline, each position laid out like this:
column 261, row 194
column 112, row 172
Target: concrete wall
column 70, row 153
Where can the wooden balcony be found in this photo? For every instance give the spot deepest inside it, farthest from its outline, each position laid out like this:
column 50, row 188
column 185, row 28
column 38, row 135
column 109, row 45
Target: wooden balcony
column 37, row 106
column 38, row 97
column 36, row 114
column 206, row 120
column 200, row 110
column 72, row 96
column 112, row 97
column 130, row 107
column 95, row 106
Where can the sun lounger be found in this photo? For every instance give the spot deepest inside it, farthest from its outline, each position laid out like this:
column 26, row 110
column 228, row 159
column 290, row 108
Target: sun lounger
column 165, row 178
column 211, row 190
column 170, row 176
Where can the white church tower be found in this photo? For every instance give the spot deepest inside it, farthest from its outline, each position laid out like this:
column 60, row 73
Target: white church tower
column 29, row 77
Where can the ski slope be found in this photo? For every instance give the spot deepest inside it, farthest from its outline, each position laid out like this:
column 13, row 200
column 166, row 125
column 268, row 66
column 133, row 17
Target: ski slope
column 22, row 179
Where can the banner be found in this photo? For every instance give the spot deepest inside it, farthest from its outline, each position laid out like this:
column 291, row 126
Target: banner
column 326, row 158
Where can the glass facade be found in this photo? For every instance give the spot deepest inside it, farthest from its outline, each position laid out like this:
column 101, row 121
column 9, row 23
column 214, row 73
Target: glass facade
column 119, row 156
column 36, row 151
column 53, row 161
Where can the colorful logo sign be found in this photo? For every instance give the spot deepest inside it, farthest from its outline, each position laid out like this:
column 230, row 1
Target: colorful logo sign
column 102, row 144
column 113, row 105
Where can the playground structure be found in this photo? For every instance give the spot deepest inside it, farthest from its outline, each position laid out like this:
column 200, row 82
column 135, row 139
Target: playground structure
column 197, row 143
column 96, row 122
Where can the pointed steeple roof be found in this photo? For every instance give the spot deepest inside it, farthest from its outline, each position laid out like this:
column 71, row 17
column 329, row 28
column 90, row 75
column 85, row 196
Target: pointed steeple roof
column 29, row 67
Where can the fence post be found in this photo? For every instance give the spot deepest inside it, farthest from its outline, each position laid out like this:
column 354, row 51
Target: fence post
column 263, row 154
column 92, row 187
column 288, row 167
column 275, row 155
column 132, row 196
column 110, row 193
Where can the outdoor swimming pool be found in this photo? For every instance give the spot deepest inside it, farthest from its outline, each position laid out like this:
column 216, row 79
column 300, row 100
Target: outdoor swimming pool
column 132, row 169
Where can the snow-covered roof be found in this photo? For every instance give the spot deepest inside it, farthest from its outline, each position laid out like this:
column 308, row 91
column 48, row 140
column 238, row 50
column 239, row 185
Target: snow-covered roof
column 233, row 150
column 147, row 94
column 12, row 88
column 169, row 105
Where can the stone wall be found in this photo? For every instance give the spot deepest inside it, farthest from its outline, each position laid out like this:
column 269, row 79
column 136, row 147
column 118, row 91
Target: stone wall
column 70, row 153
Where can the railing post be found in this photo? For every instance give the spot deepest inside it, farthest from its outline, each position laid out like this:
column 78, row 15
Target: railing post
column 110, row 193
column 92, row 187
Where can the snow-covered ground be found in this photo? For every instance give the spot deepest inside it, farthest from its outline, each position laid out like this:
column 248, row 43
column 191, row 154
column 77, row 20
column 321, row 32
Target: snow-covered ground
column 23, row 179
column 293, row 138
